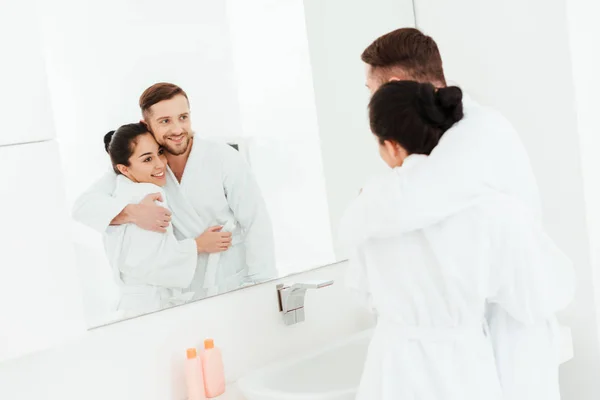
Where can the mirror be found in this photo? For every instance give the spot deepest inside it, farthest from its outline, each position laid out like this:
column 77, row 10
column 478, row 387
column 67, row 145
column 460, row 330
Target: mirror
column 237, row 154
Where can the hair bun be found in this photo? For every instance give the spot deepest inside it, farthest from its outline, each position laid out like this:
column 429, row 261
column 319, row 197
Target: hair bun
column 107, row 139
column 450, row 102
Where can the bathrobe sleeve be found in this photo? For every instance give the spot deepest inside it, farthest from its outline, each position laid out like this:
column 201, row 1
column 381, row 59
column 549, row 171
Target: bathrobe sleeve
column 248, row 206
column 357, row 276
column 157, row 259
column 473, row 158
column 96, row 207
column 357, row 279
column 531, row 278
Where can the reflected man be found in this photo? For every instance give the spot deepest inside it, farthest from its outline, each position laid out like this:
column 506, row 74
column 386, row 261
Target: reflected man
column 210, row 189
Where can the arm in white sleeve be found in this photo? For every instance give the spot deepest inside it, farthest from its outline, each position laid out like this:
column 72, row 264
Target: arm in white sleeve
column 248, row 206
column 96, row 207
column 461, row 168
column 357, row 276
column 530, row 281
column 148, row 257
column 158, row 259
column 532, row 278
column 357, row 279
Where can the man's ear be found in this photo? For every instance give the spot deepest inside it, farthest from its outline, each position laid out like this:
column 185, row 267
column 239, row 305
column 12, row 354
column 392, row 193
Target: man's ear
column 143, row 122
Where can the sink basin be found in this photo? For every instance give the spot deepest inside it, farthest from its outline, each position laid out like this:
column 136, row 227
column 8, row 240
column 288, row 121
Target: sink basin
column 328, row 374
column 332, row 373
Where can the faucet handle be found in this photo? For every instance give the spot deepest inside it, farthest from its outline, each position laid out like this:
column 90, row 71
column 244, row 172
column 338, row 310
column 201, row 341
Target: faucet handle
column 317, row 284
column 291, row 299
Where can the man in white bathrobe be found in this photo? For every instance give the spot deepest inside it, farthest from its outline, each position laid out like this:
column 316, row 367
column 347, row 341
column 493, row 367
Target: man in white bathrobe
column 209, row 186
column 481, row 154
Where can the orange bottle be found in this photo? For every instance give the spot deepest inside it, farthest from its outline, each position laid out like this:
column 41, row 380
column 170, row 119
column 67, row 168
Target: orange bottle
column 194, row 378
column 214, row 371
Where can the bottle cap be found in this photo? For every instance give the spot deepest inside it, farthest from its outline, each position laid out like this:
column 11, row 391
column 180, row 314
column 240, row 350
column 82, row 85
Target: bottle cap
column 191, row 353
column 209, row 344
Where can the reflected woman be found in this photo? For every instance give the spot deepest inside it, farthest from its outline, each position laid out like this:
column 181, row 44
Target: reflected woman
column 153, row 270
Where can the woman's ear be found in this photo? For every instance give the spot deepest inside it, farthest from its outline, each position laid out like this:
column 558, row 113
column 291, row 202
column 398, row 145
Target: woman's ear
column 396, row 152
column 390, row 149
column 123, row 169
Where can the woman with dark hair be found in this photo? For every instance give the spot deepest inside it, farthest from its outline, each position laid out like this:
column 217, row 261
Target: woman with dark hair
column 410, row 118
column 153, row 270
column 429, row 287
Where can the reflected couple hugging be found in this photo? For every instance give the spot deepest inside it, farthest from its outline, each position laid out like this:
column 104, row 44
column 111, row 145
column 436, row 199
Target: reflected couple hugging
column 182, row 217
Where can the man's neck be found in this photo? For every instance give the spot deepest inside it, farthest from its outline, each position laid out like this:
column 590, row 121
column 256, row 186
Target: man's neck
column 178, row 163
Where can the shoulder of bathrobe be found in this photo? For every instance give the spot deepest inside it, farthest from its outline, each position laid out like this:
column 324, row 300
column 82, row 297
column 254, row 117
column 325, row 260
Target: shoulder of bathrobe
column 482, row 123
column 210, row 148
column 135, row 192
column 477, row 113
column 226, row 155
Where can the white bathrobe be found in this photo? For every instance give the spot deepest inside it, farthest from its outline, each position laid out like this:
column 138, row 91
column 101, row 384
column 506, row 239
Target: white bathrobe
column 217, row 186
column 430, row 288
column 480, row 154
column 151, row 269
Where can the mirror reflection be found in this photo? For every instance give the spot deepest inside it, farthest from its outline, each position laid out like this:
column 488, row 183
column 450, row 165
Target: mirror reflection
column 192, row 152
column 193, row 222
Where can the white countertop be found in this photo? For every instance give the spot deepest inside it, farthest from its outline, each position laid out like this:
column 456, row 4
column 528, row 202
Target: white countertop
column 231, row 393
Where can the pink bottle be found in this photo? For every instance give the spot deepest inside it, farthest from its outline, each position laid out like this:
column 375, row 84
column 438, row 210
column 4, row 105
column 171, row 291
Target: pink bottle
column 194, row 378
column 214, row 372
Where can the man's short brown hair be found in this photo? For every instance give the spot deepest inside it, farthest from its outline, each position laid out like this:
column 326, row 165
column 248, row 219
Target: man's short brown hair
column 410, row 50
column 157, row 93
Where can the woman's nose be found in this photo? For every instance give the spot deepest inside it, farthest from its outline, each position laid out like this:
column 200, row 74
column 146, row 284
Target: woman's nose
column 158, row 163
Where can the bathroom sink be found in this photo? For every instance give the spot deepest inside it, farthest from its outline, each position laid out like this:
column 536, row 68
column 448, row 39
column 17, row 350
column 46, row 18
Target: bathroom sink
column 332, row 373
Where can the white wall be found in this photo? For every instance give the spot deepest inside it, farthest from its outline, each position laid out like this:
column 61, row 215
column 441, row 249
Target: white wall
column 39, row 288
column 584, row 32
column 39, row 292
column 514, row 55
column 21, row 57
column 338, row 32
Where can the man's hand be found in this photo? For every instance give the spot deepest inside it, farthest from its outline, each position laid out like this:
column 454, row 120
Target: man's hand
column 213, row 240
column 147, row 215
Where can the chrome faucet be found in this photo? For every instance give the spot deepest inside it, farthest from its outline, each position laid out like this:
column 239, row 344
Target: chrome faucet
column 291, row 299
